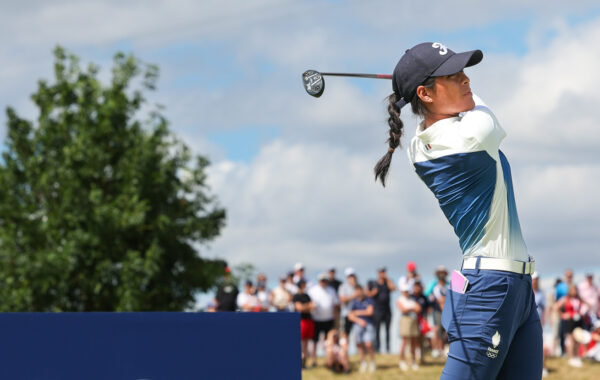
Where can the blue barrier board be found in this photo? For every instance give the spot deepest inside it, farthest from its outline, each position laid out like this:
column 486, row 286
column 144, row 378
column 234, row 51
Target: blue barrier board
column 149, row 346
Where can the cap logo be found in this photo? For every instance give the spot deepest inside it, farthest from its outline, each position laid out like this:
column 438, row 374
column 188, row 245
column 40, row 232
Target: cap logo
column 443, row 49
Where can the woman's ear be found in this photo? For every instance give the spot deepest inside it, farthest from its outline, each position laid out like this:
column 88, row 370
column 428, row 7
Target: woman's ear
column 424, row 94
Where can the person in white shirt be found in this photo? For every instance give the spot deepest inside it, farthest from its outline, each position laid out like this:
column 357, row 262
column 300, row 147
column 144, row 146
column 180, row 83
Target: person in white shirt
column 589, row 294
column 326, row 310
column 411, row 276
column 290, row 285
column 346, row 293
column 262, row 293
column 246, row 300
column 299, row 273
column 409, row 328
column 280, row 298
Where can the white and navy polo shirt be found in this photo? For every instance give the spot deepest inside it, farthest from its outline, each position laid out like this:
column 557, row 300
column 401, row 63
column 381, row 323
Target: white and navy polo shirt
column 459, row 160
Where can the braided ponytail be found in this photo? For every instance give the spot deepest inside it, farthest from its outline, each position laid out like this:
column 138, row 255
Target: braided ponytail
column 396, row 126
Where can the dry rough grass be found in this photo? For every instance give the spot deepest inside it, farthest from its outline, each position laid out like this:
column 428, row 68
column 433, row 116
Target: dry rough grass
column 387, row 368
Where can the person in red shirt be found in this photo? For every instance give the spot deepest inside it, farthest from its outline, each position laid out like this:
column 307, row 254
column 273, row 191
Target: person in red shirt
column 304, row 305
column 571, row 312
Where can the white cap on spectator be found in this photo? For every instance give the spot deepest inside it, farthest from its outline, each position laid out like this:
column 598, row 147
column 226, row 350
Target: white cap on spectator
column 535, row 275
column 298, row 266
column 349, row 271
column 322, row 277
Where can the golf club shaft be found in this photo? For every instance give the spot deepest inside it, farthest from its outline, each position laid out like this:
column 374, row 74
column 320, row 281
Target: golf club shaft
column 375, row 76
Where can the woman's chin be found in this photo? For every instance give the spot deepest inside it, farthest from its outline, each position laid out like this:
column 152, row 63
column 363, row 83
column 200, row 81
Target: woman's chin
column 469, row 105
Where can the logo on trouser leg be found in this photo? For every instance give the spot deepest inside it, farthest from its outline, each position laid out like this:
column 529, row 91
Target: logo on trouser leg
column 493, row 352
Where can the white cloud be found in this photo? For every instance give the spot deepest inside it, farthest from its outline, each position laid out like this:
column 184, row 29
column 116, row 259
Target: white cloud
column 318, row 203
column 549, row 78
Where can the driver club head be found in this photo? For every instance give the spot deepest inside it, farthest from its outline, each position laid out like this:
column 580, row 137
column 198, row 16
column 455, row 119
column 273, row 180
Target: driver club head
column 313, row 83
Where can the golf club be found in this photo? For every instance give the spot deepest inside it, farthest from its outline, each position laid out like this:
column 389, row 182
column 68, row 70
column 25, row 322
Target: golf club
column 314, row 83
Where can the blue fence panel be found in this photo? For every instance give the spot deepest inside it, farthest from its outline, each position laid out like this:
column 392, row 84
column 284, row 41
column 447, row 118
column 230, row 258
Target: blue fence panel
column 149, row 346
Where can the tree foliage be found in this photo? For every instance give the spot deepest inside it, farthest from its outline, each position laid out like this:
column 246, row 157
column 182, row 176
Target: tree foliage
column 100, row 210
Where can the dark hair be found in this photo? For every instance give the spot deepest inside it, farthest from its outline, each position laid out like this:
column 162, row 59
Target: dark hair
column 396, row 127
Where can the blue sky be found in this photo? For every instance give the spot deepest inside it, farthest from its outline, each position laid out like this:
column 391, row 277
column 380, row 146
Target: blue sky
column 294, row 172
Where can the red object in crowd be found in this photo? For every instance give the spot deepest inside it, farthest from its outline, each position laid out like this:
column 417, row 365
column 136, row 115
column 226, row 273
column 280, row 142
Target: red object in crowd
column 307, row 329
column 411, row 266
column 424, row 327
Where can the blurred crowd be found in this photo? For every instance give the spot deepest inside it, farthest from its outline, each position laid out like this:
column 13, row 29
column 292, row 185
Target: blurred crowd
column 334, row 313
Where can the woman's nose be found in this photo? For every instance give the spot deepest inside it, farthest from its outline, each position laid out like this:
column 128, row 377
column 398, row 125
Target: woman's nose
column 465, row 79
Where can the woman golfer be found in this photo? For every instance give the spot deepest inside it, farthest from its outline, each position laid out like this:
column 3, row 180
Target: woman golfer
column 490, row 316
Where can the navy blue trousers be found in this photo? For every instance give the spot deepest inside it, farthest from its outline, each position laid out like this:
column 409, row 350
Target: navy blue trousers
column 493, row 328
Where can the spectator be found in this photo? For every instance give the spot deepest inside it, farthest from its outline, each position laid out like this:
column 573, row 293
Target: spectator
column 424, row 328
column 211, row 307
column 556, row 321
column 589, row 294
column 333, row 282
column 437, row 299
column 280, row 298
column 336, row 353
column 380, row 291
column 593, row 346
column 346, row 295
column 227, row 293
column 290, row 286
column 325, row 312
column 562, row 288
column 299, row 274
column 410, row 277
column 409, row 329
column 304, row 305
column 247, row 301
column 540, row 304
column 570, row 307
column 262, row 294
column 361, row 314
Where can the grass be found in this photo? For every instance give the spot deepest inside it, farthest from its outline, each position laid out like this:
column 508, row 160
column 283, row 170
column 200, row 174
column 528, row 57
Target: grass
column 387, row 368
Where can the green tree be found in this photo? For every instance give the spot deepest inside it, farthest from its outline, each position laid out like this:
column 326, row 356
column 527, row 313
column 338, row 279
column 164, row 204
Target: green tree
column 101, row 207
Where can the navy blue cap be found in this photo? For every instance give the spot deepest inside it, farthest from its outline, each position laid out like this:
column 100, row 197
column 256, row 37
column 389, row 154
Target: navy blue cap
column 428, row 59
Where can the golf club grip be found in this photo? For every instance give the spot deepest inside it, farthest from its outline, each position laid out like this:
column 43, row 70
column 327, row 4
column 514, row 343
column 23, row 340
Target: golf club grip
column 375, row 76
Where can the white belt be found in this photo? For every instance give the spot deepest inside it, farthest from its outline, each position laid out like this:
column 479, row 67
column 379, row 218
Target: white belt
column 507, row 265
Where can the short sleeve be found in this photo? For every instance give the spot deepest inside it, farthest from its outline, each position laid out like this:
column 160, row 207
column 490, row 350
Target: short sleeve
column 481, row 123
